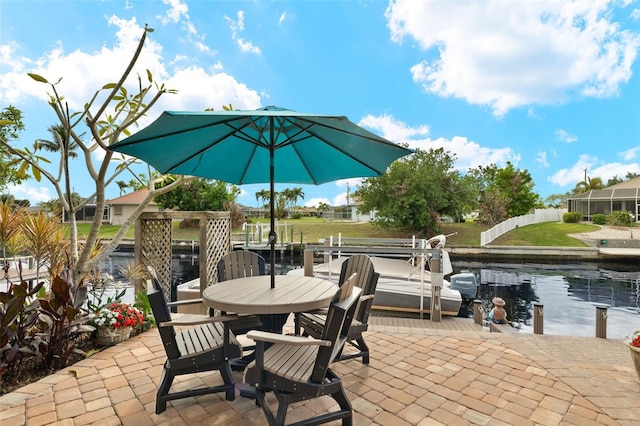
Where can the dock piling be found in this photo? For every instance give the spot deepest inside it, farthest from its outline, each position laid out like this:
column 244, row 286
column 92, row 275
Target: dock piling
column 601, row 322
column 538, row 321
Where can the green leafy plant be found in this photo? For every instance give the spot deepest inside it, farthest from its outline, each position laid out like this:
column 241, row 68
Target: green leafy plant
column 17, row 316
column 620, row 218
column 598, row 219
column 143, row 305
column 63, row 322
column 571, row 217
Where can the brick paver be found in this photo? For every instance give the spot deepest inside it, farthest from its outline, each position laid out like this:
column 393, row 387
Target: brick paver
column 417, row 376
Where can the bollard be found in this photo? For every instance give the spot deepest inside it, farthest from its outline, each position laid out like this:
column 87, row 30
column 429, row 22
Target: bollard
column 478, row 311
column 538, row 320
column 601, row 322
column 308, row 263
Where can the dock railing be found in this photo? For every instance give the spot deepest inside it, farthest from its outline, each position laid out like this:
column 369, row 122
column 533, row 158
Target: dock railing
column 424, row 256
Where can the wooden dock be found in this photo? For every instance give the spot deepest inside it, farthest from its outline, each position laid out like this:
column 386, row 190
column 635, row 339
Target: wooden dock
column 447, row 323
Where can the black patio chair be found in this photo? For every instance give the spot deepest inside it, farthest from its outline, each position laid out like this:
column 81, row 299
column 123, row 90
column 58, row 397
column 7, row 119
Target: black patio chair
column 241, row 264
column 296, row 368
column 205, row 344
column 312, row 323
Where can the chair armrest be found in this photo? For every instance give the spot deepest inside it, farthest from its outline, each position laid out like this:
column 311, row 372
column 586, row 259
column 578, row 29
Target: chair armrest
column 263, row 336
column 207, row 320
column 366, row 297
column 185, row 302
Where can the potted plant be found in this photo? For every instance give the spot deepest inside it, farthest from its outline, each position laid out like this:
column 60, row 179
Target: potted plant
column 633, row 341
column 115, row 321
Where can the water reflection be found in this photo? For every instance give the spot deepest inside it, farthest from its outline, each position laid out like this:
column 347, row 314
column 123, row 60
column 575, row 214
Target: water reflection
column 569, row 294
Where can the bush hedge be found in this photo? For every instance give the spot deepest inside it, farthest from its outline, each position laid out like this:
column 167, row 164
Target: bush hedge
column 619, row 218
column 571, row 217
column 598, row 219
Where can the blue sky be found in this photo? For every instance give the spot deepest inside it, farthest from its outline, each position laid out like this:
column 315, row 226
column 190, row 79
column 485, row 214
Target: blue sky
column 551, row 86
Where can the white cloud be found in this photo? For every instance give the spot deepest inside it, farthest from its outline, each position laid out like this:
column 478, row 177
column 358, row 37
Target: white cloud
column 469, row 154
column 605, row 171
column 282, row 18
column 34, row 193
column 340, row 200
column 177, row 11
column 85, row 72
column 393, row 129
column 236, row 28
column 352, row 183
column 507, row 55
column 575, row 173
column 314, row 202
column 629, row 154
column 541, row 159
column 565, row 136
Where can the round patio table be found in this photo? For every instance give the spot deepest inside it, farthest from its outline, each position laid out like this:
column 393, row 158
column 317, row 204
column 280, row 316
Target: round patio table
column 254, row 295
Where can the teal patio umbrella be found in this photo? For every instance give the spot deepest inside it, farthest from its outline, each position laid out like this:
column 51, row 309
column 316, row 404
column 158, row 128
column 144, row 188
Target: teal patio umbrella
column 266, row 145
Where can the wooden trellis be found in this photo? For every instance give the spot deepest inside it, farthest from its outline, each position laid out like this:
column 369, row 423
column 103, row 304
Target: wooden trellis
column 153, row 237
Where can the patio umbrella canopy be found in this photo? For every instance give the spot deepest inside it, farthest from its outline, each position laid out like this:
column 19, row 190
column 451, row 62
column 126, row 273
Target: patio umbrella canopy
column 267, row 145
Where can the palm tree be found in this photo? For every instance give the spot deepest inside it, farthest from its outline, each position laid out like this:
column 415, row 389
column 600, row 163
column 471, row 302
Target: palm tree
column 588, row 185
column 323, row 207
column 295, row 194
column 61, row 142
column 263, row 195
column 122, row 185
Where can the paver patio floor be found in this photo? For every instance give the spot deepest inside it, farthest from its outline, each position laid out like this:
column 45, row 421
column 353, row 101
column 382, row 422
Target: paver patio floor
column 418, row 375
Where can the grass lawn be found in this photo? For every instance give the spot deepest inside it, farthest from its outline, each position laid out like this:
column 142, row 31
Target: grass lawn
column 545, row 234
column 466, row 234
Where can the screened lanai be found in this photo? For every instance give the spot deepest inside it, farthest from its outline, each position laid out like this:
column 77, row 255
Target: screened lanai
column 624, row 196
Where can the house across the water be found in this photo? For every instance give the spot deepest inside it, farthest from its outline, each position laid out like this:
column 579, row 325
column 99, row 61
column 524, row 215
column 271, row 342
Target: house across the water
column 623, row 196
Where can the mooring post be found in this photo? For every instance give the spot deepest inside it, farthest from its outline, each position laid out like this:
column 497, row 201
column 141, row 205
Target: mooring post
column 308, row 263
column 327, row 243
column 601, row 322
column 538, row 320
column 478, row 311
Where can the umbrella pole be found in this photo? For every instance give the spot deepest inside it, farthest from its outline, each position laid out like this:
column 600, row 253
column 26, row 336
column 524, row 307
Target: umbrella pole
column 272, row 232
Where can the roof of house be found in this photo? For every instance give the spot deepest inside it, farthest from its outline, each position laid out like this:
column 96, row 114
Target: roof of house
column 628, row 184
column 629, row 189
column 135, row 197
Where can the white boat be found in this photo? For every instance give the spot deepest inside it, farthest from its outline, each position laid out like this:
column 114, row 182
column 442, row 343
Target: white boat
column 401, row 283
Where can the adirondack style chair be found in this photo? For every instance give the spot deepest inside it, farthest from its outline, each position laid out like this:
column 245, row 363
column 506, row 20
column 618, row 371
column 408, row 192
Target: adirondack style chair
column 240, row 264
column 312, row 323
column 296, row 368
column 204, row 345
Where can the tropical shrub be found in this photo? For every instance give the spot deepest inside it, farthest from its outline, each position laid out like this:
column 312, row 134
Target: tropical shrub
column 598, row 219
column 619, row 218
column 572, row 217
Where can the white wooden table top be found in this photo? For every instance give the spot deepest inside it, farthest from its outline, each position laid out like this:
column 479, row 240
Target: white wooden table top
column 254, row 295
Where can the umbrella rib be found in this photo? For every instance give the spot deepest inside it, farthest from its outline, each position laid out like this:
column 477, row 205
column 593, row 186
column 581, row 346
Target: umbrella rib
column 309, row 129
column 236, row 132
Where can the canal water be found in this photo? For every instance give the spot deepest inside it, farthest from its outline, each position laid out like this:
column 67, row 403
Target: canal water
column 569, row 293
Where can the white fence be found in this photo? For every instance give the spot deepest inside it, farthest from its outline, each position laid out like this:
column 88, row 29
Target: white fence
column 538, row 216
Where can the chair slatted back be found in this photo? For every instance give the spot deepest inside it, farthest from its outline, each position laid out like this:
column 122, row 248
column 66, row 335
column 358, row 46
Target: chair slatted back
column 341, row 312
column 240, row 264
column 367, row 280
column 162, row 313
